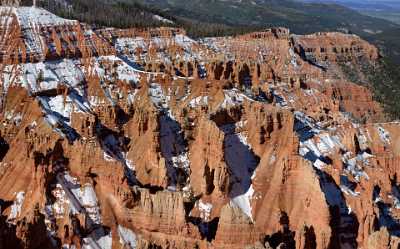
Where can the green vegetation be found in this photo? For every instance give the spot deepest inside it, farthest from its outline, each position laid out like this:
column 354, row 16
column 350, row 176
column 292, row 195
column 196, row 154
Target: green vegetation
column 128, row 14
column 300, row 17
column 393, row 16
column 109, row 14
column 385, row 80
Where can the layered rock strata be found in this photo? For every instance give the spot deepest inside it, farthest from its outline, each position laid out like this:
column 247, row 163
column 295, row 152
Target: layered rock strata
column 149, row 139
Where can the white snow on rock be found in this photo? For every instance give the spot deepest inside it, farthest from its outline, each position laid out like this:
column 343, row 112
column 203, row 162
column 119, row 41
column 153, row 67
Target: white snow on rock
column 242, row 163
column 68, row 71
column 107, row 157
column 60, row 105
column 66, row 246
column 33, row 73
column 96, row 101
column 88, row 196
column 82, row 198
column 348, row 191
column 13, row 117
column 232, row 97
column 130, row 44
column 317, row 143
column 127, row 237
column 384, row 135
column 48, row 75
column 307, row 121
column 111, row 148
column 17, row 119
column 130, row 164
column 199, row 101
column 279, row 98
column 162, row 19
column 55, row 120
column 80, row 102
column 205, row 210
column 363, row 139
column 243, row 202
column 353, row 165
column 173, row 146
column 310, row 145
column 98, row 240
column 319, row 164
column 104, row 240
column 157, row 96
column 59, row 206
column 181, row 161
column 10, row 76
column 395, row 196
column 30, row 16
column 328, row 143
column 132, row 96
column 16, row 207
column 396, row 202
column 123, row 70
column 40, row 77
column 293, row 59
column 31, row 19
column 184, row 41
column 171, row 137
column 243, row 138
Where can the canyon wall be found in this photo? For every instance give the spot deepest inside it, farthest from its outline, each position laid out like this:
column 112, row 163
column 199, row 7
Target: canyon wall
column 146, row 138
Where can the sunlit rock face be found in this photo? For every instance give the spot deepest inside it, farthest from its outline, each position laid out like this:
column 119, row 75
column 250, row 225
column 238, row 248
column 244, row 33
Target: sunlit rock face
column 149, row 139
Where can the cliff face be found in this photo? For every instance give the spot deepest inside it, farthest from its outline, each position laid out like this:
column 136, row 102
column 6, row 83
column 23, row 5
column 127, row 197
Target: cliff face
column 149, row 139
column 31, row 35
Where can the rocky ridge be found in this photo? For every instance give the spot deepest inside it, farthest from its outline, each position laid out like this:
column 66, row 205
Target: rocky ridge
column 144, row 138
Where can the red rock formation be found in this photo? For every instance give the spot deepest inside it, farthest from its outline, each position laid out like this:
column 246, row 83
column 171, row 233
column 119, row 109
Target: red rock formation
column 111, row 138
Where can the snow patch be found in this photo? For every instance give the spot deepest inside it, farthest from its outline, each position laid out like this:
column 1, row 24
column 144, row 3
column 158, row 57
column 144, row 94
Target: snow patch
column 232, row 97
column 59, row 206
column 199, row 101
column 162, row 19
column 243, row 202
column 29, row 16
column 16, row 207
column 384, row 135
column 205, row 210
column 127, row 237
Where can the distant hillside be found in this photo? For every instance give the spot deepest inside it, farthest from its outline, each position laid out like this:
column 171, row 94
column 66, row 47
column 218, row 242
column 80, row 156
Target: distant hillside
column 385, row 9
column 300, row 17
column 130, row 13
column 107, row 13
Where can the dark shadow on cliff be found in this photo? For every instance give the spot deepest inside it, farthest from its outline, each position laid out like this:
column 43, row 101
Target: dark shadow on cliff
column 385, row 217
column 343, row 222
column 115, row 145
column 173, row 148
column 239, row 157
column 4, row 147
column 208, row 230
column 285, row 238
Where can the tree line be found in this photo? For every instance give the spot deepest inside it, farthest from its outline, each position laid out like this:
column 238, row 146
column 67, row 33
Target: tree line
column 133, row 15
